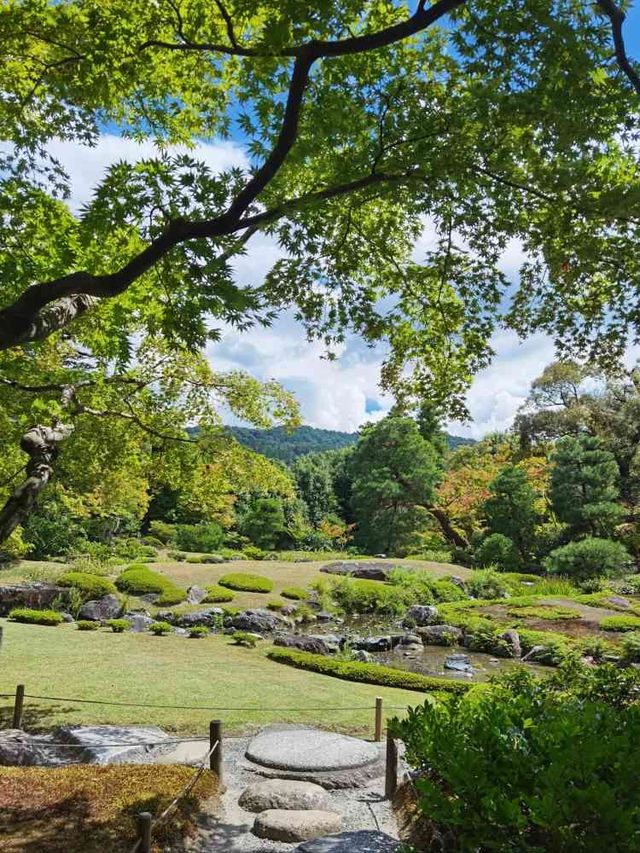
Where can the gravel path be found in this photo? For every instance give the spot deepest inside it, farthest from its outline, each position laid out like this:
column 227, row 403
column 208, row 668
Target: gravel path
column 229, row 828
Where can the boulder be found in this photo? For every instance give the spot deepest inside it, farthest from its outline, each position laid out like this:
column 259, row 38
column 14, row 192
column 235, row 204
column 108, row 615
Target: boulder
column 440, row 635
column 295, row 825
column 209, row 618
column 420, row 614
column 107, row 607
column 214, row 558
column 359, row 569
column 67, row 617
column 316, row 645
column 363, row 657
column 410, row 640
column 458, row 581
column 323, row 616
column 135, row 744
column 360, row 841
column 260, row 621
column 459, row 663
column 536, row 653
column 512, row 640
column 371, row 644
column 38, row 596
column 619, row 601
column 283, row 794
column 139, row 621
column 19, row 749
column 195, row 594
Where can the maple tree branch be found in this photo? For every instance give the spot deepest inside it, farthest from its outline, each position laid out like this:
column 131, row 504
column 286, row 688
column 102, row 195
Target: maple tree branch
column 617, row 17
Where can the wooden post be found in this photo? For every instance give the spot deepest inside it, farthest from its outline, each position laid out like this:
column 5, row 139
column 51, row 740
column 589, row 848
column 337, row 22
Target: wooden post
column 144, row 832
column 215, row 759
column 391, row 772
column 378, row 718
column 18, row 706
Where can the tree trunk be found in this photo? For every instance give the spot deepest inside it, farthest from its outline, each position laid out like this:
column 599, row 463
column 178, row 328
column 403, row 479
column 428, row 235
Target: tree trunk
column 41, row 445
column 451, row 534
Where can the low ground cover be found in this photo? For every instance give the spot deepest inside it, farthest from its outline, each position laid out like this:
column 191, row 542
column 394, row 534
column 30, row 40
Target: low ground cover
column 89, row 809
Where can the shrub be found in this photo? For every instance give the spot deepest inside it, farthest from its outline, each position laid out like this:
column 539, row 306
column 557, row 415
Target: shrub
column 589, row 558
column 207, row 558
column 160, row 628
column 231, row 554
column 152, row 542
column 252, row 552
column 631, row 647
column 542, row 611
column 558, row 744
column 231, row 610
column 487, row 583
column 296, row 593
column 178, row 556
column 421, row 587
column 118, row 626
column 93, row 586
column 198, row 631
column 369, row 673
column 620, row 623
column 275, row 604
column 87, row 625
column 597, row 648
column 629, row 585
column 141, row 580
column 35, row 617
column 354, row 595
column 246, row 582
column 244, row 638
column 554, row 648
column 162, row 531
column 499, row 551
column 217, row 593
column 198, row 537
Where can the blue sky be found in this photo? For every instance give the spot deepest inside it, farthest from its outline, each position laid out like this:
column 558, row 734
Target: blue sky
column 341, row 394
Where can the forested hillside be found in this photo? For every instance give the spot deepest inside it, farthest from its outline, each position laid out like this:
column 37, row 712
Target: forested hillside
column 278, row 443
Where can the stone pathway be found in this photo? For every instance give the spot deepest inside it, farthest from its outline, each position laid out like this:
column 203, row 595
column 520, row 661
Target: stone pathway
column 352, row 809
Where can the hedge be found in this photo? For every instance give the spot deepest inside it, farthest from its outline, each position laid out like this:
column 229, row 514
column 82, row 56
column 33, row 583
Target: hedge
column 87, row 625
column 369, row 673
column 141, row 580
column 95, row 586
column 216, row 593
column 246, row 582
column 35, row 617
column 297, row 593
column 620, row 623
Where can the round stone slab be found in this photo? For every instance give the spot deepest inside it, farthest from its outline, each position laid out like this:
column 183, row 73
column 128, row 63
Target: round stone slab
column 283, row 794
column 362, row 841
column 290, row 826
column 310, row 750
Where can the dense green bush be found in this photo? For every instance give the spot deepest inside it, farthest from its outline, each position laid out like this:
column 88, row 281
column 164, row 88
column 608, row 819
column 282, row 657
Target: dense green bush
column 207, row 558
column 530, row 765
column 141, row 580
column 160, row 628
column 421, row 587
column 486, row 583
column 631, row 647
column 35, row 617
column 92, row 586
column 252, row 552
column 87, row 625
column 118, row 626
column 162, row 531
column 244, row 638
column 198, row 631
column 589, row 558
column 620, row 623
column 354, row 595
column 217, row 593
column 198, row 537
column 276, row 604
column 500, row 551
column 296, row 593
column 369, row 673
column 178, row 556
column 246, row 582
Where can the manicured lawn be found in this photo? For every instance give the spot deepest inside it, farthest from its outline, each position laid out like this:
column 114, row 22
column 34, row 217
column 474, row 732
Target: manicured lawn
column 174, row 670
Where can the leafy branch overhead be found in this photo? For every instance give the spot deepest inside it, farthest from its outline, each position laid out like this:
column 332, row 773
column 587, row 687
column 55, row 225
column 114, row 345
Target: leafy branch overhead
column 361, row 124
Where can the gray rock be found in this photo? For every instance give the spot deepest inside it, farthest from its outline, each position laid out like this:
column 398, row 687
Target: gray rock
column 150, row 597
column 38, row 596
column 195, row 594
column 209, row 618
column 359, row 569
column 289, row 609
column 459, row 663
column 316, row 645
column 363, row 657
column 619, row 601
column 410, row 640
column 535, row 653
column 283, row 794
column 67, row 617
column 308, row 749
column 372, row 644
column 440, row 635
column 260, row 621
column 139, row 622
column 323, row 616
column 458, row 581
column 420, row 614
column 19, row 749
column 334, row 641
column 107, row 607
column 295, row 825
column 360, row 841
column 145, row 741
column 512, row 639
column 213, row 558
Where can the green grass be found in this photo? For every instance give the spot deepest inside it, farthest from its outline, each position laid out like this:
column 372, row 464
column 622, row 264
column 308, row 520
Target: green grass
column 174, row 670
column 620, row 623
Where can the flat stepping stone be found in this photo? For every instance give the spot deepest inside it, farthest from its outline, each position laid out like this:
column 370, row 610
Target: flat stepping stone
column 363, row 841
column 295, row 825
column 310, row 750
column 135, row 744
column 283, row 794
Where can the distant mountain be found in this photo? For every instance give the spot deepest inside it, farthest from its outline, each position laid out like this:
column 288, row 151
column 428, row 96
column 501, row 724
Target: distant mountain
column 277, row 443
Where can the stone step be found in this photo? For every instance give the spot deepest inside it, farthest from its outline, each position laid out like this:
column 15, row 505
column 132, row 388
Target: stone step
column 296, row 825
column 283, row 794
